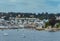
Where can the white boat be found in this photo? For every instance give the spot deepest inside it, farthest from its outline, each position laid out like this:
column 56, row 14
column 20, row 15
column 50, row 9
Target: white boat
column 51, row 30
column 5, row 34
column 3, row 26
column 23, row 36
column 21, row 26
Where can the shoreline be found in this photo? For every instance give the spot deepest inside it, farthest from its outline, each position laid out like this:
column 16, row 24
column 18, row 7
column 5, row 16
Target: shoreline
column 39, row 29
column 47, row 29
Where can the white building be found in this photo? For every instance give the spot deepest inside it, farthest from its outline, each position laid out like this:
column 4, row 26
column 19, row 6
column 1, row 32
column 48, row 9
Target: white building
column 58, row 18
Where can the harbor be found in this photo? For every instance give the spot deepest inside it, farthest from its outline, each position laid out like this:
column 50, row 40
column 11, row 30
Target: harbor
column 26, row 23
column 29, row 20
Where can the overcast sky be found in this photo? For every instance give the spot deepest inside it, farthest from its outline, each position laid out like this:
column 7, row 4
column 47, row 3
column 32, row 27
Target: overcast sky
column 30, row 6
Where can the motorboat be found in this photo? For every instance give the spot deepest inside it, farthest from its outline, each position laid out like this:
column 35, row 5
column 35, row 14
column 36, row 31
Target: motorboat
column 5, row 34
column 52, row 30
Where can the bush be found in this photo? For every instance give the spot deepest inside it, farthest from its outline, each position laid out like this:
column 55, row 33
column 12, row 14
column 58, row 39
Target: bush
column 58, row 25
column 47, row 24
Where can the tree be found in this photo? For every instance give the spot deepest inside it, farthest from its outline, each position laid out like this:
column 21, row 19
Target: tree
column 52, row 21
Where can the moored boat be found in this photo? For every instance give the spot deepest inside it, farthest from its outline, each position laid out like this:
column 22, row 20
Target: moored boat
column 52, row 30
column 5, row 34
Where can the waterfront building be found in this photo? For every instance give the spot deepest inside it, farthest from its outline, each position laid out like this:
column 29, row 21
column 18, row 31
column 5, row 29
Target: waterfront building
column 57, row 17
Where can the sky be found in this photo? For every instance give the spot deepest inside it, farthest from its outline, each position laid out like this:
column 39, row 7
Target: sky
column 37, row 6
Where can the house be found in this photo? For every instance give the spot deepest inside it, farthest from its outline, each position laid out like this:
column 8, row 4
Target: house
column 57, row 17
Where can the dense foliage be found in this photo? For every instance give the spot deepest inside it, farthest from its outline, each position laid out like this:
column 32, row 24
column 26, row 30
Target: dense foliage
column 30, row 15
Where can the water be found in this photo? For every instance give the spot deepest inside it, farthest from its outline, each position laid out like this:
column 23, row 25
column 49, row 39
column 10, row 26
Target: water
column 29, row 35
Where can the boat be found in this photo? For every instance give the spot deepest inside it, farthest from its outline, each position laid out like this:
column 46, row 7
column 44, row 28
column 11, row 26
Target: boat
column 21, row 26
column 5, row 34
column 52, row 30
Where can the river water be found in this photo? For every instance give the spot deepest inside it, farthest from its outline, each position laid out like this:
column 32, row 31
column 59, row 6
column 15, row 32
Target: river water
column 29, row 35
